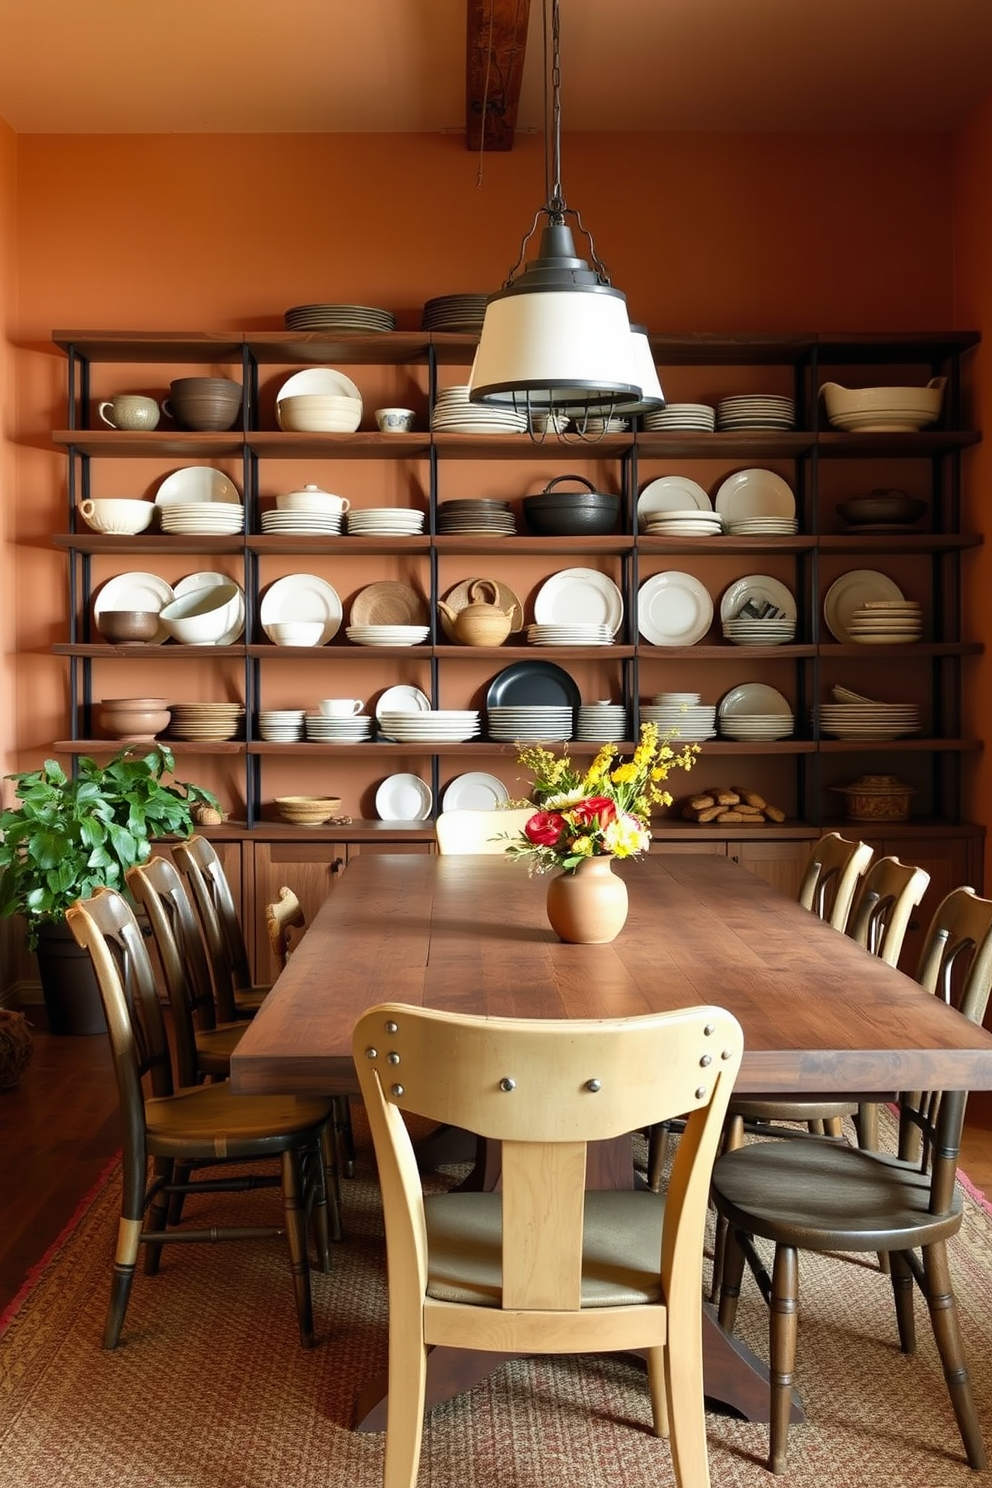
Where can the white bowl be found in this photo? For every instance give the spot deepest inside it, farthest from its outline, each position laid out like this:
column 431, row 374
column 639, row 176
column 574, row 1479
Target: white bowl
column 319, row 413
column 203, row 616
column 898, row 406
column 295, row 632
column 118, row 515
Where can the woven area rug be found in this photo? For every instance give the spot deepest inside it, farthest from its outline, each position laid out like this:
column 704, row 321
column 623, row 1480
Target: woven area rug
column 210, row 1388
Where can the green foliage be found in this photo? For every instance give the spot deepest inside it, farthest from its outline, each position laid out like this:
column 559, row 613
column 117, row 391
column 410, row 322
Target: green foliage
column 70, row 834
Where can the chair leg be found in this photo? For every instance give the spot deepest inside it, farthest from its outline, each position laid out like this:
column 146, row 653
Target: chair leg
column 317, row 1203
column 296, row 1235
column 657, row 1154
column 947, row 1332
column 163, row 1172
column 128, row 1245
column 730, row 1281
column 783, row 1329
column 733, row 1137
column 658, row 1387
column 687, row 1418
column 332, row 1181
column 903, row 1296
column 407, row 1390
column 344, row 1135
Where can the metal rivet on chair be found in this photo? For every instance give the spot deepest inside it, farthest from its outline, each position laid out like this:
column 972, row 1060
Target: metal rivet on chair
column 396, row 1090
column 392, row 1028
column 701, row 1092
column 727, row 1054
column 594, row 1085
column 371, row 1053
column 507, row 1084
column 706, row 1059
column 392, row 1057
column 710, row 1028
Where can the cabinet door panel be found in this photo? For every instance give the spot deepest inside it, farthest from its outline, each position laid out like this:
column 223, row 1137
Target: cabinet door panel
column 308, row 869
column 778, row 863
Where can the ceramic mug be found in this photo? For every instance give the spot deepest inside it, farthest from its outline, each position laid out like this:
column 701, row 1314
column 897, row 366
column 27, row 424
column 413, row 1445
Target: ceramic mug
column 341, row 707
column 129, row 411
column 395, row 420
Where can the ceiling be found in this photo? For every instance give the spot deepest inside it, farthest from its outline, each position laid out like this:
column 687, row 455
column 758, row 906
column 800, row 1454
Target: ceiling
column 252, row 66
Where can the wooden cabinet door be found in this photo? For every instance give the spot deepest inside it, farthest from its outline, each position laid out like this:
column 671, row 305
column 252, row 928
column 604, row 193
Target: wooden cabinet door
column 308, row 868
column 778, row 863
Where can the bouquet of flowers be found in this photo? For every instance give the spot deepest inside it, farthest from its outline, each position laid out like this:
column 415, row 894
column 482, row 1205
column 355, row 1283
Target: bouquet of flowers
column 605, row 812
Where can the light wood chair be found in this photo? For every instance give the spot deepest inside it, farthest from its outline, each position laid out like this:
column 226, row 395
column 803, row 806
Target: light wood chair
column 479, row 831
column 831, row 877
column 209, row 890
column 184, row 1129
column 545, row 1267
column 884, row 905
column 827, row 1196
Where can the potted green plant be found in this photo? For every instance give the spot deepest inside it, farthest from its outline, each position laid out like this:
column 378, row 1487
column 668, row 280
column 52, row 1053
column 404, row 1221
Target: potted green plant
column 69, row 835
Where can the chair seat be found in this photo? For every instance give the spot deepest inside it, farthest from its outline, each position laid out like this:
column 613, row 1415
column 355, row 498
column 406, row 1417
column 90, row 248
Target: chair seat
column 791, row 1110
column 620, row 1248
column 248, row 1000
column 214, row 1047
column 823, row 1195
column 229, row 1126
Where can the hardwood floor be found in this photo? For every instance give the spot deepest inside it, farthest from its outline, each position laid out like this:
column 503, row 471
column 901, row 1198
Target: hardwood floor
column 60, row 1127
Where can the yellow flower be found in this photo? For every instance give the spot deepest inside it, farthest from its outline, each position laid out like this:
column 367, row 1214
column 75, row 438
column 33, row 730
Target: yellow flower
column 625, row 774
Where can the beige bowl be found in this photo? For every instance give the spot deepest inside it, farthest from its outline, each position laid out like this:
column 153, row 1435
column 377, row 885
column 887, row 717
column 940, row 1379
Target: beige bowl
column 319, row 413
column 117, row 515
column 877, row 409
column 307, row 811
column 203, row 616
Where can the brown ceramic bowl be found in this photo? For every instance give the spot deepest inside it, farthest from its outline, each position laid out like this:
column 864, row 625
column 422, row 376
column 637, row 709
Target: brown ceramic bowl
column 204, row 403
column 128, row 627
column 882, row 508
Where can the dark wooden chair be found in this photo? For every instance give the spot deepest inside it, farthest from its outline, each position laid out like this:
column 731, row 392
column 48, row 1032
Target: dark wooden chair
column 186, row 1127
column 828, row 1196
column 209, row 890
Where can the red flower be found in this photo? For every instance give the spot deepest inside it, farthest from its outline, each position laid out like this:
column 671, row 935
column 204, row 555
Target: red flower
column 544, row 828
column 593, row 808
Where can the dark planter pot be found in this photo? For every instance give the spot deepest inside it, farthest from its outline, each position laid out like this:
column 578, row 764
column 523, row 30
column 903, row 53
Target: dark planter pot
column 69, row 984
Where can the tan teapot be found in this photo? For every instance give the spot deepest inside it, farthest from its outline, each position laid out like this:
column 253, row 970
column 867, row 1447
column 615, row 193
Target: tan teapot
column 480, row 623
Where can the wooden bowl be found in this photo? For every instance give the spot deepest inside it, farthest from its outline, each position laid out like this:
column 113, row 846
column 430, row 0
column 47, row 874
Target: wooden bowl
column 307, row 811
column 128, row 627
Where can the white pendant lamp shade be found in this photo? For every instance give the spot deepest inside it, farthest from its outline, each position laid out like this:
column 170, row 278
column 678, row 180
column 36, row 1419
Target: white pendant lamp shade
column 652, row 396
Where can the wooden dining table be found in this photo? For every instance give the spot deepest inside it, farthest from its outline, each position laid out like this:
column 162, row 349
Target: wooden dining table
column 470, row 935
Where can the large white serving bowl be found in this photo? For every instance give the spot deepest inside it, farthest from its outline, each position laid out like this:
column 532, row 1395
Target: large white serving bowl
column 883, row 407
column 117, row 515
column 319, row 413
column 203, row 616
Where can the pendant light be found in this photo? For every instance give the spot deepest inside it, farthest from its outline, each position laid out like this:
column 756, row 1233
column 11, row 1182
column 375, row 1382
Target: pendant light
column 556, row 337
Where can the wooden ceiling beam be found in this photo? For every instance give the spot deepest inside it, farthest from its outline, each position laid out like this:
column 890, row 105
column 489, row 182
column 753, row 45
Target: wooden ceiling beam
column 496, row 43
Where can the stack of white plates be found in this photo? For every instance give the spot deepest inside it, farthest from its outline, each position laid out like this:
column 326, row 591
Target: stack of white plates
column 338, row 730
column 601, row 723
column 757, row 493
column 359, row 318
column 549, row 423
column 689, row 721
column 867, row 720
column 684, row 524
column 754, row 711
column 593, row 424
column 280, row 725
column 385, row 521
column 204, row 518
column 756, row 411
column 761, row 526
column 322, row 523
column 438, row 726
column 758, row 610
column 535, row 722
column 886, row 622
column 699, row 416
column 454, row 414
column 855, row 591
column 205, row 722
column 774, row 632
column 387, row 635
column 671, row 493
column 481, row 514
column 455, row 312
column 570, row 635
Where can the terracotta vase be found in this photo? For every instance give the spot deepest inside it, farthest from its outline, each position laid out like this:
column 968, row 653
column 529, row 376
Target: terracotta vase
column 589, row 906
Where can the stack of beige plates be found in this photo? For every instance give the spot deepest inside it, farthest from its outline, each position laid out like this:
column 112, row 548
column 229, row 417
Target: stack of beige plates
column 385, row 521
column 323, row 523
column 761, row 526
column 205, row 722
column 535, row 722
column 387, row 635
column 756, row 411
column 454, row 414
column 593, row 424
column 203, row 518
column 575, row 634
column 697, row 416
column 753, row 712
column 601, row 723
column 867, row 719
column 482, row 514
column 438, row 726
column 886, row 622
column 456, row 312
column 690, row 523
column 351, row 730
column 359, row 318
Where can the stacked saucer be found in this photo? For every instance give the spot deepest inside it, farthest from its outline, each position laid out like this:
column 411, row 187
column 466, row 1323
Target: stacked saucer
column 698, row 416
column 307, row 522
column 351, row 730
column 481, row 514
column 205, row 722
column 539, row 722
column 593, row 424
column 280, row 725
column 387, row 635
column 385, row 521
column 761, row 526
column 775, row 630
column 886, row 622
column 754, row 711
column 456, row 312
column 204, row 518
column 748, row 727
column 570, row 635
column 437, row 726
column 756, row 411
column 601, row 723
column 681, row 714
column 454, row 414
column 691, row 523
column 851, row 715
column 359, row 318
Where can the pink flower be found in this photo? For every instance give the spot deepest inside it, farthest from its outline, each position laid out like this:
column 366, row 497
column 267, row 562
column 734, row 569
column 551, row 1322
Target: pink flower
column 544, row 828
column 592, row 809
